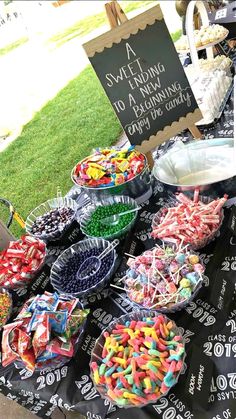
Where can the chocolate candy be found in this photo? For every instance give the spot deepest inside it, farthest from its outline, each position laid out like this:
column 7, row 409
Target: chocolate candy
column 52, row 222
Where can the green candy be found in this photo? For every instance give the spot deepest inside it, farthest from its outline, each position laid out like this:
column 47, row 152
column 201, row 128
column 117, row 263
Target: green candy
column 96, row 229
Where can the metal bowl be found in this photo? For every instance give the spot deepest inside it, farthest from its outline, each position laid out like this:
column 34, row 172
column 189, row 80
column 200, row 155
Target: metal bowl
column 96, row 355
column 138, row 188
column 105, row 202
column 205, row 164
column 46, row 207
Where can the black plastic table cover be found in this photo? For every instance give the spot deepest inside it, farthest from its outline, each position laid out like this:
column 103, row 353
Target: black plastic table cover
column 207, row 386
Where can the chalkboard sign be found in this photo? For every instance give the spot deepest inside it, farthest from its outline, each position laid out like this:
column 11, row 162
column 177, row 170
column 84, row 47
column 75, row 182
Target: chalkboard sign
column 143, row 77
column 227, row 50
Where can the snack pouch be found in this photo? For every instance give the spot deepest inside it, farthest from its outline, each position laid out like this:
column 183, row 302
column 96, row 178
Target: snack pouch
column 67, row 305
column 74, row 323
column 61, row 348
column 25, row 350
column 10, row 335
column 41, row 337
column 57, row 320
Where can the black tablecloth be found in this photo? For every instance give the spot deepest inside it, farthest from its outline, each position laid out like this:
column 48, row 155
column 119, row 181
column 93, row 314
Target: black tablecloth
column 207, row 386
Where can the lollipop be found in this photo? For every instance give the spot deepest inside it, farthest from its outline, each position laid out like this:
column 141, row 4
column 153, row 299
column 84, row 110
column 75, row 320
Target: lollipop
column 163, row 277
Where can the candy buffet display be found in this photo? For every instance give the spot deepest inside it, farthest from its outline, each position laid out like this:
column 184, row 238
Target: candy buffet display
column 137, row 359
column 67, row 277
column 5, row 306
column 188, row 221
column 49, row 220
column 205, row 35
column 164, row 278
column 20, row 261
column 109, row 167
column 104, row 220
column 44, row 333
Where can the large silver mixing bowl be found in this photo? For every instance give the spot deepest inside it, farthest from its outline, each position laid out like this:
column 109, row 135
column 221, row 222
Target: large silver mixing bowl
column 203, row 164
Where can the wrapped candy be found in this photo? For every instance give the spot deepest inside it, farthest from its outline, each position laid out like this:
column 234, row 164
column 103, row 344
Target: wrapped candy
column 43, row 338
column 20, row 261
column 189, row 221
column 109, row 167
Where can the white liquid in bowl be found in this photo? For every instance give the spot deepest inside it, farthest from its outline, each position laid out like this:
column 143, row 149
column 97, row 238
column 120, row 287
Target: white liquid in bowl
column 205, row 176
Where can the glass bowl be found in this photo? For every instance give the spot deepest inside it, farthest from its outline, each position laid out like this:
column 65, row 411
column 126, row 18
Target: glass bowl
column 59, row 360
column 172, row 308
column 56, row 276
column 30, row 275
column 199, row 244
column 96, row 355
column 85, row 218
column 45, row 207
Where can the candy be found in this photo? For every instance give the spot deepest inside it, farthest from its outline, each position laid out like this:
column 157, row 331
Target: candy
column 189, row 222
column 157, row 277
column 143, row 375
column 67, row 280
column 44, row 336
column 52, row 222
column 95, row 228
column 109, row 167
column 5, row 307
column 20, row 261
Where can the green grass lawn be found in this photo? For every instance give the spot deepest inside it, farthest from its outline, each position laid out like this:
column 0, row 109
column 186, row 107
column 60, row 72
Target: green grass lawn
column 86, row 25
column 176, row 35
column 62, row 133
column 13, row 45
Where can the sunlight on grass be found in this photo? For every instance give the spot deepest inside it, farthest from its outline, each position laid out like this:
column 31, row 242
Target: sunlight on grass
column 86, row 25
column 13, row 45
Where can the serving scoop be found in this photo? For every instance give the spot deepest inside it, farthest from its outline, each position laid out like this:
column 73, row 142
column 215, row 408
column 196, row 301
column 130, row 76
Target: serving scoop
column 114, row 219
column 91, row 265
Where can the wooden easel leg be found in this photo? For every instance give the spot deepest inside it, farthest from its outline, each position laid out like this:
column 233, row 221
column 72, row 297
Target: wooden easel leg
column 195, row 132
column 150, row 159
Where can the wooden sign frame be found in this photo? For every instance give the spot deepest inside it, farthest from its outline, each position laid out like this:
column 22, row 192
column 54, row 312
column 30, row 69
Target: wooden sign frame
column 123, row 32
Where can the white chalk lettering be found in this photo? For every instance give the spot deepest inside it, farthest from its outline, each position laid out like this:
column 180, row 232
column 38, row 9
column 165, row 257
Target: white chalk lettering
column 128, row 50
column 138, row 126
column 125, row 72
column 131, row 100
